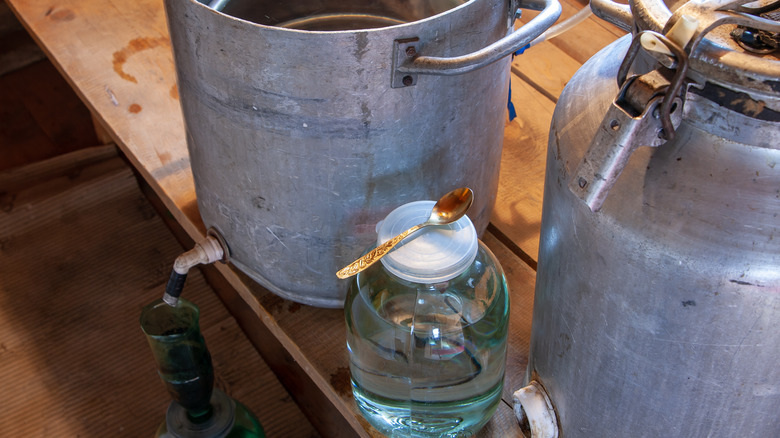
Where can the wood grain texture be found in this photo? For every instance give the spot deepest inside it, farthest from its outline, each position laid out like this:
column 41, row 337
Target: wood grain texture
column 518, row 212
column 546, row 68
column 17, row 49
column 81, row 252
column 117, row 56
column 540, row 74
column 549, row 65
column 584, row 40
column 41, row 115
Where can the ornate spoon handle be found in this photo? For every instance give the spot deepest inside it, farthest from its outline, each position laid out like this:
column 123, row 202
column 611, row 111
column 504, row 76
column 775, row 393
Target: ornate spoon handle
column 375, row 254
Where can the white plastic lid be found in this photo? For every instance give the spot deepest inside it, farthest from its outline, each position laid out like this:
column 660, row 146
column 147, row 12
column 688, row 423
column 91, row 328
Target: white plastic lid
column 431, row 255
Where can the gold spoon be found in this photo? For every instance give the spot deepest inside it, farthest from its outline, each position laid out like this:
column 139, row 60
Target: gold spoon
column 447, row 210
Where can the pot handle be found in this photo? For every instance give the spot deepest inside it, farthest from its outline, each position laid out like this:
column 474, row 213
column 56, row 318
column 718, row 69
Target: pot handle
column 407, row 62
column 612, row 12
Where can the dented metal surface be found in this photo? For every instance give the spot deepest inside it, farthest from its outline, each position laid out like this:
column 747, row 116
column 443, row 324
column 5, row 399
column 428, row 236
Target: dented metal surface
column 299, row 144
column 660, row 308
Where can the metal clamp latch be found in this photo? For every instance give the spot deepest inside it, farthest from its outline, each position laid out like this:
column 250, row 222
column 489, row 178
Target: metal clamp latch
column 646, row 112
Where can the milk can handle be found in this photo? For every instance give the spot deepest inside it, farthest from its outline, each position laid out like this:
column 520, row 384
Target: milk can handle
column 612, row 12
column 409, row 62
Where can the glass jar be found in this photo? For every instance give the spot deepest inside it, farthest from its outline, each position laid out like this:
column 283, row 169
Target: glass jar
column 426, row 330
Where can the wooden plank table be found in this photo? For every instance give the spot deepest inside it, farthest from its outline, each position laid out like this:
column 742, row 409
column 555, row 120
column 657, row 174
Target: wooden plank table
column 117, row 56
column 73, row 359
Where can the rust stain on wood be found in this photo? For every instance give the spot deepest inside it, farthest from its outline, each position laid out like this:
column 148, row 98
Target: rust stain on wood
column 135, row 108
column 164, row 157
column 273, row 304
column 134, row 46
column 61, row 15
column 340, row 381
column 294, row 307
column 174, row 92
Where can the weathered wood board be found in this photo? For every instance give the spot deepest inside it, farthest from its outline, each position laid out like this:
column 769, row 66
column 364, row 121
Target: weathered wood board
column 81, row 252
column 118, row 58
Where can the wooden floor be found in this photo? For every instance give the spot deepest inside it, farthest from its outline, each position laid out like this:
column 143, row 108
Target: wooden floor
column 81, row 252
column 40, row 114
column 301, row 343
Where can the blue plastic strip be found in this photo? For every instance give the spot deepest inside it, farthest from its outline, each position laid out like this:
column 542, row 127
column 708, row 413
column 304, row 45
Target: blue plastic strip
column 522, row 49
column 509, row 105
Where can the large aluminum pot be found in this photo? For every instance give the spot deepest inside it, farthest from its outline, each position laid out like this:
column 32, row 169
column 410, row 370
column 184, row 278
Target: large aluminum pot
column 302, row 137
column 657, row 301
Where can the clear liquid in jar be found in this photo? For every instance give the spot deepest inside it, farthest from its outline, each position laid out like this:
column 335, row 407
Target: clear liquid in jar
column 428, row 360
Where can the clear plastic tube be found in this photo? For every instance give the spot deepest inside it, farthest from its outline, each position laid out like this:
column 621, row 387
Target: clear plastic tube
column 563, row 26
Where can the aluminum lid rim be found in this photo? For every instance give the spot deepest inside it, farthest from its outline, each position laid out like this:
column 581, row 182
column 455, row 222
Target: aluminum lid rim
column 744, row 70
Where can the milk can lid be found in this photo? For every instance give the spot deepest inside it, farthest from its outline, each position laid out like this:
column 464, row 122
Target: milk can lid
column 725, row 53
column 431, row 255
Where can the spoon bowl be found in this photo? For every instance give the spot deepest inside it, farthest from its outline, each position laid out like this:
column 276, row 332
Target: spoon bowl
column 448, row 209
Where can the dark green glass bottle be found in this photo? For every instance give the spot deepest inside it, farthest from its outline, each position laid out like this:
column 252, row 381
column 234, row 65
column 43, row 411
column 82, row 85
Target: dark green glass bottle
column 198, row 410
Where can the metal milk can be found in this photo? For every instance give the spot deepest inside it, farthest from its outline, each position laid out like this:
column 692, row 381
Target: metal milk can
column 308, row 121
column 657, row 300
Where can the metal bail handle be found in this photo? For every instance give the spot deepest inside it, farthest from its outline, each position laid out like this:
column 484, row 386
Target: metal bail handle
column 408, row 62
column 631, row 123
